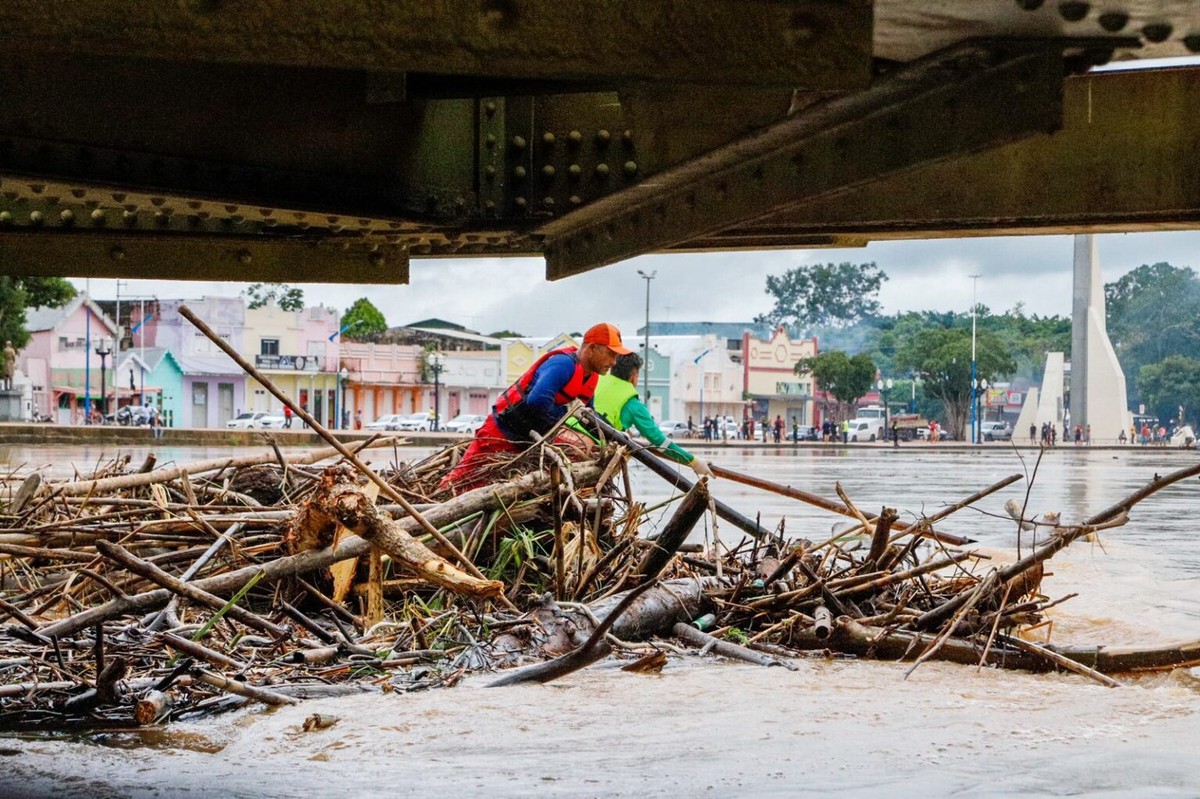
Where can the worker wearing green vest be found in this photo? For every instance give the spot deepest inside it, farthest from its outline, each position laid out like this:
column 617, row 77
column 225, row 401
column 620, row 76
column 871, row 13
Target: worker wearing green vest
column 617, row 401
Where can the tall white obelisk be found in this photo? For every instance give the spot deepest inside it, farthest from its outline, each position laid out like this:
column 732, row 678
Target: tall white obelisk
column 1097, row 383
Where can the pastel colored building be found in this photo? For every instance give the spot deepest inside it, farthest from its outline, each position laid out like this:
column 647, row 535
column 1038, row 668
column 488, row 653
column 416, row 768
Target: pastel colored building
column 298, row 351
column 214, row 386
column 382, row 379
column 771, row 382
column 60, row 360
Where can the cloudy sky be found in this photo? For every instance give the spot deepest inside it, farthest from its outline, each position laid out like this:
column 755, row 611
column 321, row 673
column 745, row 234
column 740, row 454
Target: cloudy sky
column 489, row 294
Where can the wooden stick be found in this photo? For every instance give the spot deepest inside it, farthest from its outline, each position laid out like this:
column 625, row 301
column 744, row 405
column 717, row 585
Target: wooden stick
column 242, row 689
column 367, row 471
column 655, row 464
column 189, row 591
column 827, row 504
column 727, row 649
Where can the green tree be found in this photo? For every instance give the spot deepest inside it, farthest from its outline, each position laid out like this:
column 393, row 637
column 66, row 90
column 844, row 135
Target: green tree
column 19, row 293
column 259, row 295
column 1153, row 313
column 1170, row 385
column 846, row 378
column 363, row 320
column 506, row 334
column 942, row 358
column 824, row 294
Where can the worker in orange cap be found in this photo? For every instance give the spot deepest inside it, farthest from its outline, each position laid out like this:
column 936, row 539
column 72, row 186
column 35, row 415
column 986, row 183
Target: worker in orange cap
column 538, row 400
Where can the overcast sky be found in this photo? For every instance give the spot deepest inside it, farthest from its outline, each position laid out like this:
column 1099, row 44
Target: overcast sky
column 489, row 294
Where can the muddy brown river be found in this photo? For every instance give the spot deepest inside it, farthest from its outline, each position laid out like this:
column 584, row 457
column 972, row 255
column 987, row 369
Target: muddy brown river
column 708, row 728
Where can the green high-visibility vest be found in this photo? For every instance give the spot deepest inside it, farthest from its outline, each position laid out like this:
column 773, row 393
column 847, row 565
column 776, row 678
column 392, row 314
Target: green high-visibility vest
column 611, row 395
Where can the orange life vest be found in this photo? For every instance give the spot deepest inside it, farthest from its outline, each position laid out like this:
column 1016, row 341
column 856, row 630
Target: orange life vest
column 513, row 413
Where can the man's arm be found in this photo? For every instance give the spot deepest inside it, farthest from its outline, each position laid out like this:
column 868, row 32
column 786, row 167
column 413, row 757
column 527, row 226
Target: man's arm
column 636, row 414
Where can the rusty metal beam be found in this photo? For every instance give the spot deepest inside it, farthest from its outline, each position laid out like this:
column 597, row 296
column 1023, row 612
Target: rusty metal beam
column 815, row 44
column 964, row 100
column 1124, row 160
column 200, row 257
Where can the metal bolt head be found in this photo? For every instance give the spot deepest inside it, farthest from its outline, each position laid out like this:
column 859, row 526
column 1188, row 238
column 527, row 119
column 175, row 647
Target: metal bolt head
column 518, row 142
column 574, row 171
column 519, row 202
column 489, row 141
column 575, row 137
column 1157, row 32
column 519, row 172
column 1073, row 11
column 548, row 171
column 548, row 202
column 1113, row 21
column 37, row 217
column 97, row 216
column 489, row 171
column 244, row 257
column 67, row 216
column 602, row 170
column 548, row 139
column 603, row 137
column 575, row 199
column 489, row 205
column 129, row 217
column 489, row 108
column 117, row 253
column 630, row 167
column 6, row 217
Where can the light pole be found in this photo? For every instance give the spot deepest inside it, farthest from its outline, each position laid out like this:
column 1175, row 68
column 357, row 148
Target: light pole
column 646, row 354
column 884, row 387
column 435, row 366
column 103, row 349
column 343, row 378
column 337, row 369
column 696, row 361
column 974, row 308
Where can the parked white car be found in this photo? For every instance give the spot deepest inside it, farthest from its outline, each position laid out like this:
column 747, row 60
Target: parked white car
column 272, row 422
column 415, row 422
column 465, row 423
column 251, row 420
column 390, row 421
column 674, row 429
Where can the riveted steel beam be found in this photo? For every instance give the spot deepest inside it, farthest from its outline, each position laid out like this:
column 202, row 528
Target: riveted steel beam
column 816, row 44
column 1125, row 160
column 200, row 257
column 963, row 100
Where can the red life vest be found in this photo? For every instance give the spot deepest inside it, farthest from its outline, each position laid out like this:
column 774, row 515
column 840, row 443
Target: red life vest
column 510, row 408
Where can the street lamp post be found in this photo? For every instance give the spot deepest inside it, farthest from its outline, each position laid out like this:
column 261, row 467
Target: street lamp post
column 974, row 308
column 343, row 378
column 435, row 366
column 337, row 369
column 884, row 387
column 696, row 361
column 103, row 349
column 646, row 345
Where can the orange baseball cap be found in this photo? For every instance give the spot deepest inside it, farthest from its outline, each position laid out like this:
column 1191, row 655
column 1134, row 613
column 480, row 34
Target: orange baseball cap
column 606, row 335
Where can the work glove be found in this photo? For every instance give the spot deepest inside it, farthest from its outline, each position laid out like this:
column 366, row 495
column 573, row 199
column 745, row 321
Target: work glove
column 701, row 468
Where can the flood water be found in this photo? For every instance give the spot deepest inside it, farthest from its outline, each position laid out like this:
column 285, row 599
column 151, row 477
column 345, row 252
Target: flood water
column 707, row 728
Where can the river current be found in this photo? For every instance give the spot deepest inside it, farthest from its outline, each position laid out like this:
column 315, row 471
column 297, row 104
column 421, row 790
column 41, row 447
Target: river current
column 709, row 728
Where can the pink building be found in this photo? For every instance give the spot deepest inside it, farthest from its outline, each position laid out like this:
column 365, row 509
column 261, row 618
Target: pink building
column 383, row 379
column 61, row 360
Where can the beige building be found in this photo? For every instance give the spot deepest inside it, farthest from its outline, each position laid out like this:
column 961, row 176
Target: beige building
column 772, row 385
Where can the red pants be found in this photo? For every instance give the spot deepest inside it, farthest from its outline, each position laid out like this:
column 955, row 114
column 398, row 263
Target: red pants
column 488, row 443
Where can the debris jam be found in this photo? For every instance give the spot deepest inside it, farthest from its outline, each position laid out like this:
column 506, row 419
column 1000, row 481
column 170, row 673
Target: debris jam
column 141, row 595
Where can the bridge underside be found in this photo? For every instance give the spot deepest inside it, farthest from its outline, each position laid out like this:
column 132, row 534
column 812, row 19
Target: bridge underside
column 334, row 141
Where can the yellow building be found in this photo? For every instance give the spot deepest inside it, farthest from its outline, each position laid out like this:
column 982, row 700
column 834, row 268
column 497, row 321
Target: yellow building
column 298, row 352
column 522, row 352
column 772, row 384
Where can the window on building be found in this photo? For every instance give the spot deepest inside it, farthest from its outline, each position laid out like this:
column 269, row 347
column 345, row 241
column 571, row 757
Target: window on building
column 268, row 346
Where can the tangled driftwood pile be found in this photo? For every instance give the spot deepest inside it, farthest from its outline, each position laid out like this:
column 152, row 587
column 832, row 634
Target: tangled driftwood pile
column 143, row 594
